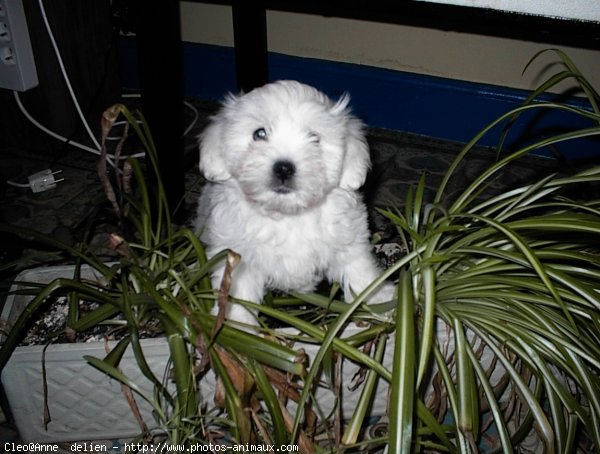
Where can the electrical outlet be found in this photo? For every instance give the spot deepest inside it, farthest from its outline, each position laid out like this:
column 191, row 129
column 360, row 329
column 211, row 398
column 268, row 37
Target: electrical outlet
column 4, row 33
column 17, row 66
column 7, row 57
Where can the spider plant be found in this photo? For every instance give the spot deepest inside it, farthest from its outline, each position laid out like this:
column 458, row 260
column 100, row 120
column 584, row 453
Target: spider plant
column 513, row 283
column 493, row 342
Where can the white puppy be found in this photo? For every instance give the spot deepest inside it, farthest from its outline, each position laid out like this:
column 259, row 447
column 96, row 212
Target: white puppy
column 283, row 165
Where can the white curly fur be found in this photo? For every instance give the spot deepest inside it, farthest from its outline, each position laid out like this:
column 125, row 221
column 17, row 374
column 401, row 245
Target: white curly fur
column 293, row 223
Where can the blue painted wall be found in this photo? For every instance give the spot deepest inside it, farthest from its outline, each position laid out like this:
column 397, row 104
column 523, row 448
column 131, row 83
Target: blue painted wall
column 432, row 106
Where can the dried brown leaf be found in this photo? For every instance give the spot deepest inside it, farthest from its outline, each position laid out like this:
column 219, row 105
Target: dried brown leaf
column 305, row 445
column 233, row 259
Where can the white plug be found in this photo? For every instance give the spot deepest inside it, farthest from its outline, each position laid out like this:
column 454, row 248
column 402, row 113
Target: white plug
column 44, row 180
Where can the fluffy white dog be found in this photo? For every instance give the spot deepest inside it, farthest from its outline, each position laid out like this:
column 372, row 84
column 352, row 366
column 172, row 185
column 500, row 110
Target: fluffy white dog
column 283, row 165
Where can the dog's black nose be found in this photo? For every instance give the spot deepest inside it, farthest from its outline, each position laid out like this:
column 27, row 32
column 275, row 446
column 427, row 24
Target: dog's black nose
column 284, row 170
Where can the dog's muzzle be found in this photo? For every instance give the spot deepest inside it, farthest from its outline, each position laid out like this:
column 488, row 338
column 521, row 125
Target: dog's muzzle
column 283, row 176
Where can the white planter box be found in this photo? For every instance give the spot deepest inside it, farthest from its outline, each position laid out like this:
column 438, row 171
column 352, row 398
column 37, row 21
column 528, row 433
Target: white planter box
column 84, row 403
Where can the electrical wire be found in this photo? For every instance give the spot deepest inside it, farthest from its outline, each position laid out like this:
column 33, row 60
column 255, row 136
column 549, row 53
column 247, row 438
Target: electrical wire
column 66, row 76
column 48, row 131
column 17, row 185
column 187, row 104
column 98, row 148
column 194, row 120
column 90, row 149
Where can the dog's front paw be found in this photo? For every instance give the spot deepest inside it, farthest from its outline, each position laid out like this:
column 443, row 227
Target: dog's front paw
column 240, row 314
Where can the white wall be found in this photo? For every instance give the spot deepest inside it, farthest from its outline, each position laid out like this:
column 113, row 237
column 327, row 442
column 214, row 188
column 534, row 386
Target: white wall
column 462, row 56
column 588, row 10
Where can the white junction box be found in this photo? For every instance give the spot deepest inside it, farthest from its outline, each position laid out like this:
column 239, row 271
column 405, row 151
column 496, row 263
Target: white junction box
column 17, row 66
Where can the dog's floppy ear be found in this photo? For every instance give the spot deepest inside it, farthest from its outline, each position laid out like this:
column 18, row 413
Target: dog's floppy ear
column 357, row 160
column 212, row 162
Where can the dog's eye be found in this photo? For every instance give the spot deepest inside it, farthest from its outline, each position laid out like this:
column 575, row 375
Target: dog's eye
column 260, row 134
column 314, row 137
